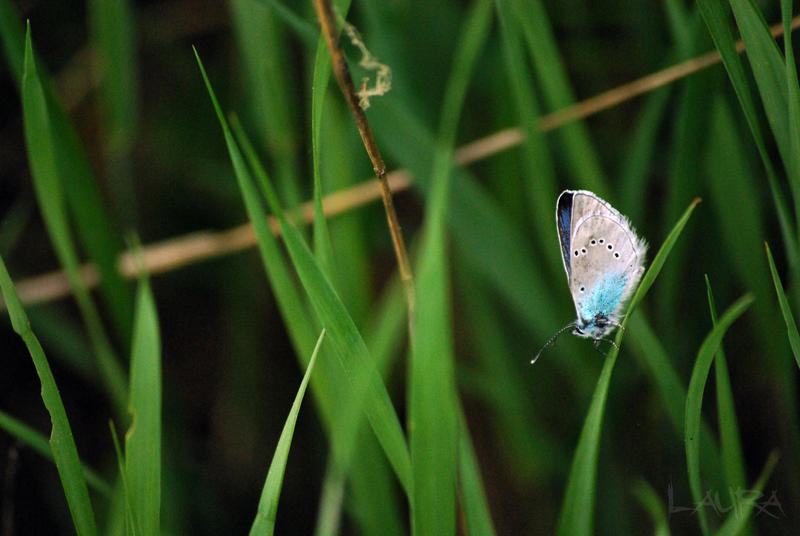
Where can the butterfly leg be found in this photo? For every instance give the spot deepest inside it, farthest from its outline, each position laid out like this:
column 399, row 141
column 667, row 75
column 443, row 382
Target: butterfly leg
column 609, row 341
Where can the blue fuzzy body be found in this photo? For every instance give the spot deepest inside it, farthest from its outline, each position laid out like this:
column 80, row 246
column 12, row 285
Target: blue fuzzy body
column 601, row 302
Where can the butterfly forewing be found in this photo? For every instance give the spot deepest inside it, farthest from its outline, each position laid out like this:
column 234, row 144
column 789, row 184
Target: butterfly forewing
column 602, row 255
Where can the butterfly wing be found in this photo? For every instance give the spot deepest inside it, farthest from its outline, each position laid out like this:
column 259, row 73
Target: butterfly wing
column 603, row 256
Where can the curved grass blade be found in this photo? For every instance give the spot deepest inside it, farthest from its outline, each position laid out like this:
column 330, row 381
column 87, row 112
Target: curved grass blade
column 694, row 398
column 366, row 386
column 143, row 439
column 62, row 443
column 786, row 310
column 738, row 518
column 38, row 443
column 654, row 504
column 49, row 191
column 730, row 445
column 264, row 523
column 578, row 509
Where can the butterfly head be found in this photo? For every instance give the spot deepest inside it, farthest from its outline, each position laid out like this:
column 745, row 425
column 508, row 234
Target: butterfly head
column 594, row 327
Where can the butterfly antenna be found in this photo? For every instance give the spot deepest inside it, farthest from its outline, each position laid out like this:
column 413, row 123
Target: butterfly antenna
column 552, row 341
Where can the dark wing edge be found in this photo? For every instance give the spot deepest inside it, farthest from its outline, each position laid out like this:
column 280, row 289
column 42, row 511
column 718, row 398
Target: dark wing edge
column 564, row 226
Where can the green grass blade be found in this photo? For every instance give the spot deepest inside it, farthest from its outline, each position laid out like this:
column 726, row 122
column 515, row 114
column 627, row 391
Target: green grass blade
column 264, row 522
column 112, row 39
column 13, row 39
column 94, row 226
column 786, row 310
column 738, row 519
column 62, row 443
column 143, row 439
column 650, row 352
column 730, row 445
column 305, row 30
column 578, row 508
column 38, row 443
column 654, row 504
column 322, row 73
column 49, row 191
column 346, row 341
column 793, row 90
column 263, row 48
column 433, row 407
column 769, row 71
column 473, row 499
column 694, row 398
column 552, row 76
column 539, row 174
column 716, row 19
column 130, row 523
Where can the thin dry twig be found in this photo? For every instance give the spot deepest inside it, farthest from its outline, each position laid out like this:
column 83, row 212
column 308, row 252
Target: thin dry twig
column 178, row 252
column 331, row 32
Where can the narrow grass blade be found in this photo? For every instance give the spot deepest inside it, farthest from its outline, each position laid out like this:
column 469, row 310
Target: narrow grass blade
column 473, row 498
column 730, row 445
column 264, row 523
column 654, row 504
column 43, row 159
column 738, row 519
column 143, row 439
column 62, row 443
column 694, row 399
column 716, row 19
column 13, row 39
column 538, row 170
column 786, row 310
column 365, row 383
column 650, row 352
column 38, row 443
column 305, row 30
column 264, row 51
column 94, row 226
column 552, row 76
column 769, row 71
column 578, row 508
column 112, row 34
column 793, row 90
column 433, row 406
column 130, row 525
column 322, row 73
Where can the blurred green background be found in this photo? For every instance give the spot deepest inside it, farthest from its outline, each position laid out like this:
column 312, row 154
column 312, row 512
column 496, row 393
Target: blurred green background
column 126, row 75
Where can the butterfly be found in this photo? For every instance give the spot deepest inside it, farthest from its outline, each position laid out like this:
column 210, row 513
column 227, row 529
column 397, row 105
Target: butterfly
column 604, row 261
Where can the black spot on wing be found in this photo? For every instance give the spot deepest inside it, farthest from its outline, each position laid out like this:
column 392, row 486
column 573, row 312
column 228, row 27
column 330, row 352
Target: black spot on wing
column 564, row 223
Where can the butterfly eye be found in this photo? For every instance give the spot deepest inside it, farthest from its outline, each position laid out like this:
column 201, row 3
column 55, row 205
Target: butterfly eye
column 616, row 255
